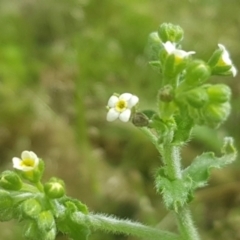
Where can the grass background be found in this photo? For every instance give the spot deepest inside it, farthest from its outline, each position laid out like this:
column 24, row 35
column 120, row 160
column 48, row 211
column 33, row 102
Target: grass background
column 59, row 63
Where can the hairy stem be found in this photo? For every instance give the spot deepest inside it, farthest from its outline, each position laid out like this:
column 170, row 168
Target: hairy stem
column 172, row 159
column 114, row 225
column 186, row 225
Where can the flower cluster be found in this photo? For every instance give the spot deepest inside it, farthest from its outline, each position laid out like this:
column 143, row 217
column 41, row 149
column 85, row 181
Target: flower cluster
column 184, row 88
column 37, row 205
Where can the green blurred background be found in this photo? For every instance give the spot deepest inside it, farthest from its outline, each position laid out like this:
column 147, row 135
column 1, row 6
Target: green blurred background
column 59, row 63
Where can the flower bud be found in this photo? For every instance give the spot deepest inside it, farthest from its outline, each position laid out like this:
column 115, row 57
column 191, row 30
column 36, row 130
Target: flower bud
column 197, row 97
column 54, row 188
column 215, row 114
column 30, row 230
column 170, row 32
column 46, row 225
column 197, row 73
column 10, row 180
column 166, row 93
column 31, row 208
column 219, row 93
column 221, row 63
column 139, row 119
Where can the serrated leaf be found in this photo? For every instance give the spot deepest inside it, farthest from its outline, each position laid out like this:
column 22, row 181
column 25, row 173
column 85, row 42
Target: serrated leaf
column 199, row 170
column 175, row 192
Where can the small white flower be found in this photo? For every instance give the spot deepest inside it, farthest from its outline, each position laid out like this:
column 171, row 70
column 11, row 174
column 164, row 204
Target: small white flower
column 171, row 49
column 120, row 107
column 225, row 57
column 225, row 60
column 28, row 162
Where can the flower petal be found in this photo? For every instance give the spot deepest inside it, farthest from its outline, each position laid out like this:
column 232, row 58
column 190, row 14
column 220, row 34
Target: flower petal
column 133, row 101
column 169, row 47
column 16, row 162
column 225, row 55
column 124, row 116
column 26, row 154
column 112, row 115
column 112, row 101
column 234, row 71
column 125, row 96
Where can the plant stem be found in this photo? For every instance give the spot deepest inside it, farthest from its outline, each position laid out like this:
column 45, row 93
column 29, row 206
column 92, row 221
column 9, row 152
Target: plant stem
column 186, row 225
column 172, row 159
column 112, row 224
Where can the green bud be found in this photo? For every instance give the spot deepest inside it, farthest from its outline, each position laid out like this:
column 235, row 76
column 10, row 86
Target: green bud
column 10, row 180
column 197, row 97
column 197, row 73
column 139, row 119
column 54, row 188
column 219, row 93
column 170, row 32
column 6, row 205
column 46, row 225
column 216, row 114
column 31, row 208
column 166, row 93
column 31, row 230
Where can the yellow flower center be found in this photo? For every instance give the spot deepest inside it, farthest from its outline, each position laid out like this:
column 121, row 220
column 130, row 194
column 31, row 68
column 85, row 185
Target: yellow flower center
column 221, row 62
column 178, row 59
column 28, row 162
column 121, row 105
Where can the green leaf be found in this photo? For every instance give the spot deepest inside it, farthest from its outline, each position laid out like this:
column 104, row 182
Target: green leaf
column 73, row 229
column 199, row 170
column 176, row 192
column 6, row 206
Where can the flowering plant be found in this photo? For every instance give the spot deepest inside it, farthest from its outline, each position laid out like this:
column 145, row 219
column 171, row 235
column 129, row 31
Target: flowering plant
column 184, row 100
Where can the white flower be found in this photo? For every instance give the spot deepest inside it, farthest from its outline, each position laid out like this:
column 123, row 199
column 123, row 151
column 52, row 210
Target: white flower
column 28, row 162
column 120, row 107
column 171, row 49
column 225, row 60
